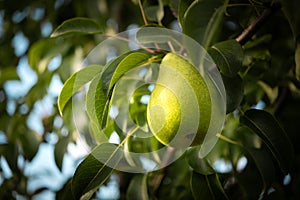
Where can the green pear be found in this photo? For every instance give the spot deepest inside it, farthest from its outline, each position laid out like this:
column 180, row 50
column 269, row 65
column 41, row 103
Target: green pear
column 180, row 92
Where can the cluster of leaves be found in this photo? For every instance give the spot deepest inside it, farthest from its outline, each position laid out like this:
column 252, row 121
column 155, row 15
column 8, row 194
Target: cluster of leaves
column 25, row 27
column 251, row 134
column 255, row 44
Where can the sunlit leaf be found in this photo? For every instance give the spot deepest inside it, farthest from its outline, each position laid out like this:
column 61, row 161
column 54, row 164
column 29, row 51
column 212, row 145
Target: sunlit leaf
column 131, row 61
column 75, row 82
column 96, row 102
column 207, row 187
column 77, row 25
column 92, row 173
column 228, row 55
column 272, row 134
column 137, row 188
column 109, row 70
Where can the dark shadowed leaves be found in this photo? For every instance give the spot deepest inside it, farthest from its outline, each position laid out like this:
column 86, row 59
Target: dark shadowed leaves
column 207, row 187
column 228, row 55
column 234, row 92
column 268, row 129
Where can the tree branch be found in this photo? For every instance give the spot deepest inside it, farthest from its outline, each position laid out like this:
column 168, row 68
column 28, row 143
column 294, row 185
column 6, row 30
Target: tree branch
column 247, row 34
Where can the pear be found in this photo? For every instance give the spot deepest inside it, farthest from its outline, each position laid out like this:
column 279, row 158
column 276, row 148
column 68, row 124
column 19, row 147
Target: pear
column 180, row 98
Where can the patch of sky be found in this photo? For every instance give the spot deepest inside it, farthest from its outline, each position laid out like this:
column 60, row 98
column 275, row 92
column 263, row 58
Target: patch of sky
column 43, row 172
column 147, row 163
column 111, row 190
column 111, row 53
column 3, row 138
column 55, row 86
column 260, row 105
column 287, row 179
column 6, row 171
column 143, row 72
column 241, row 164
column 114, row 138
column 37, row 13
column 55, row 63
column 41, row 109
column 19, row 16
column 145, row 99
column 58, row 4
column 114, row 111
column 46, row 28
column 175, row 26
column 16, row 89
column 20, row 43
column 222, row 166
column 132, row 30
column 151, row 87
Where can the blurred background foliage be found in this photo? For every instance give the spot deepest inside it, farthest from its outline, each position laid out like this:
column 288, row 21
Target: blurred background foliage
column 34, row 66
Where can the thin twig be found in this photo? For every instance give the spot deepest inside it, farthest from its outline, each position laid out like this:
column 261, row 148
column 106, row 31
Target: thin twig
column 143, row 12
column 246, row 35
column 132, row 41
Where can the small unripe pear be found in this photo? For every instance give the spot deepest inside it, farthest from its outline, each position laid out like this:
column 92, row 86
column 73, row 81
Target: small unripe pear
column 165, row 109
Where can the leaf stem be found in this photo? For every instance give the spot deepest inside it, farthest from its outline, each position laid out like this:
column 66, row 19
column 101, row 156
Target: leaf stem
column 130, row 41
column 226, row 139
column 143, row 12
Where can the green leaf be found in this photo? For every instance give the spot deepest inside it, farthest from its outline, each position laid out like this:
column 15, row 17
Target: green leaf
column 30, row 141
column 137, row 189
column 8, row 73
column 201, row 166
column 109, row 70
column 268, row 129
column 92, row 173
column 265, row 166
column 234, row 92
column 155, row 12
column 131, row 61
column 60, row 150
column 290, row 9
column 65, row 192
column 207, row 187
column 96, row 102
column 75, row 82
column 77, row 25
column 209, row 15
column 41, row 53
column 297, row 61
column 183, row 6
column 228, row 55
column 11, row 154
